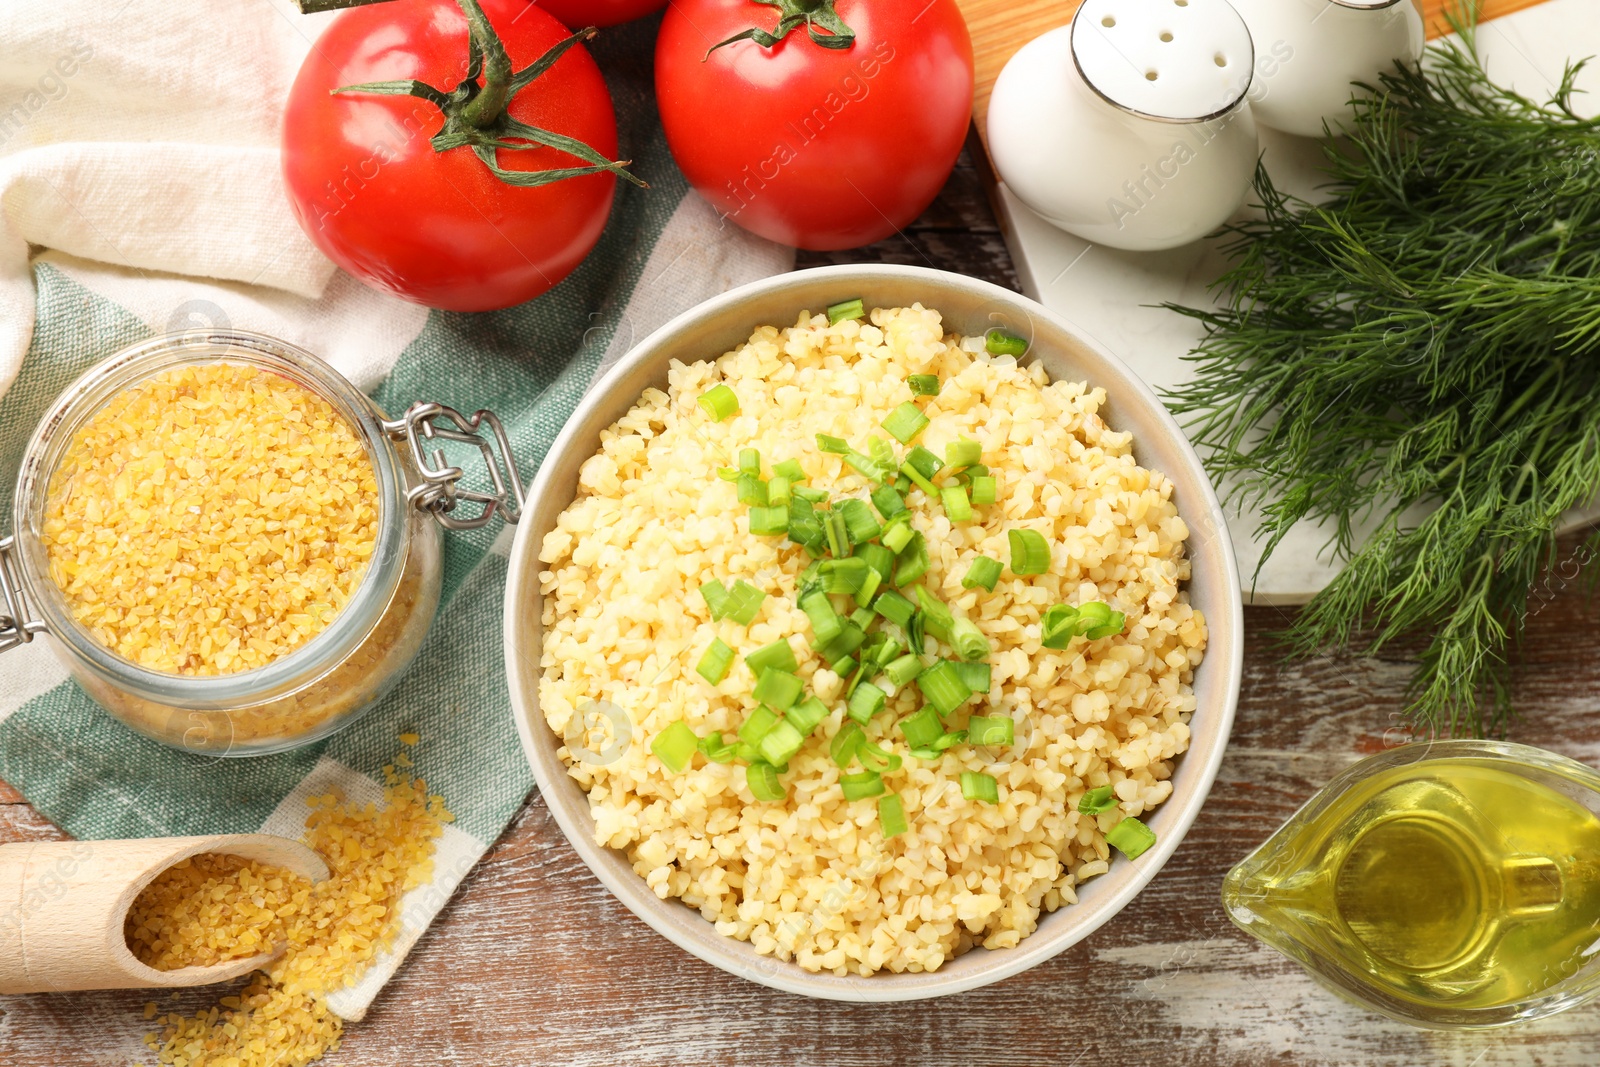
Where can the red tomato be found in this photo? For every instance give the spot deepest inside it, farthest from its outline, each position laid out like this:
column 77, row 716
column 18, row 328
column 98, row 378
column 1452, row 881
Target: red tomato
column 580, row 13
column 810, row 146
column 435, row 227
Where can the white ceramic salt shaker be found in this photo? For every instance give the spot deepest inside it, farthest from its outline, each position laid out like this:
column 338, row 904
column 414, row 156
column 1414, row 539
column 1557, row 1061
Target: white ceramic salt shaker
column 1130, row 127
column 1309, row 52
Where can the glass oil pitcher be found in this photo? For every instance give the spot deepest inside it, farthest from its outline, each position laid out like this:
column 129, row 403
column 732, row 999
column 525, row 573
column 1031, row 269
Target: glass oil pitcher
column 1450, row 884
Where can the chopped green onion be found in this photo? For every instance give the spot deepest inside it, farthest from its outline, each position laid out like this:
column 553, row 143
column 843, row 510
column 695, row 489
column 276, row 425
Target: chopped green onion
column 1131, row 837
column 1095, row 613
column 894, row 607
column 790, row 469
column 913, row 561
column 1097, row 801
column 978, row 786
column 902, row 484
column 905, row 422
column 919, row 478
column 991, row 730
column 860, row 786
column 984, row 572
column 1030, row 553
column 937, row 618
column 781, row 742
column 949, row 741
column 881, row 451
column 1058, row 626
column 865, row 702
column 728, row 474
column 877, row 557
column 922, row 729
column 865, row 466
column 914, row 635
column 968, row 640
column 714, row 663
column 777, row 689
column 1001, row 343
column 892, row 813
column 769, row 521
column 806, row 493
column 845, row 309
column 924, row 384
column 859, row 521
column 856, row 673
column 984, row 490
column 778, row 491
column 863, row 617
column 869, row 588
column 897, row 532
column 887, row 652
column 778, row 655
column 675, row 747
column 941, row 684
column 902, row 670
column 756, row 725
column 719, row 402
column 924, row 462
column 963, row 452
column 843, row 575
column 848, row 665
column 837, row 533
column 875, row 759
column 752, row 491
column 807, row 714
column 744, row 602
column 762, row 778
column 716, row 598
column 888, row 501
column 715, row 749
column 928, row 753
column 825, row 624
column 976, row 675
column 1112, row 628
column 850, row 638
column 956, row 504
column 745, row 752
column 805, row 526
column 837, row 445
column 750, row 462
column 843, row 747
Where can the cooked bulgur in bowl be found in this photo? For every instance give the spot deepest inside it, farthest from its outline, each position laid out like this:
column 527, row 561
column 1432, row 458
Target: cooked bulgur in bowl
column 871, row 642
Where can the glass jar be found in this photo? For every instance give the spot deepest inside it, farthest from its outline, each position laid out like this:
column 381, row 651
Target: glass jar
column 326, row 683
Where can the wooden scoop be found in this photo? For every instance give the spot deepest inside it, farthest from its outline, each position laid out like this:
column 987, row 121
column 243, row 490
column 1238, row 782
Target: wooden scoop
column 63, row 903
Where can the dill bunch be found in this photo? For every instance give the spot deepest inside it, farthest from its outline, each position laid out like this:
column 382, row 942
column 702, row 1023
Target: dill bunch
column 1419, row 354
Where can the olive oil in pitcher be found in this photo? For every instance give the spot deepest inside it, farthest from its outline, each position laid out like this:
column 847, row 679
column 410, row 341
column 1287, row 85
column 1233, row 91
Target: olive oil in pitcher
column 1461, row 888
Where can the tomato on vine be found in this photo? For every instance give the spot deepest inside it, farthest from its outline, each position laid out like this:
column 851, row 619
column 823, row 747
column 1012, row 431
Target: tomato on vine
column 457, row 153
column 824, row 124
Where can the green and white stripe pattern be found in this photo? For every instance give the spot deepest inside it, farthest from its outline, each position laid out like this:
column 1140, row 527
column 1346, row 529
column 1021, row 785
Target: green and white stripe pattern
column 664, row 250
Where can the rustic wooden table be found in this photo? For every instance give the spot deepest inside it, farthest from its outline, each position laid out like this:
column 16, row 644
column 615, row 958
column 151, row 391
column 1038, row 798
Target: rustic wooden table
column 535, row 963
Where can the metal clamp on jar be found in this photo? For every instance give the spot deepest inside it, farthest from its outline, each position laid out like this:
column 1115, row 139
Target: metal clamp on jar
column 325, row 683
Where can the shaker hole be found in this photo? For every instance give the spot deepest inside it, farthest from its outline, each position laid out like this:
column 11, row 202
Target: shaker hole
column 1150, row 75
column 1220, row 59
column 1108, row 22
column 1166, row 35
column 1181, row 3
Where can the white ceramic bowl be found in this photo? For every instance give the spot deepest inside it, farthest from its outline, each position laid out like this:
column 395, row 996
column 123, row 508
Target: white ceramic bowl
column 969, row 307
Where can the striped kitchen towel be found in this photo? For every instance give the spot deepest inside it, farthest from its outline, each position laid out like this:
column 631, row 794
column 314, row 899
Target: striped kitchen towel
column 139, row 193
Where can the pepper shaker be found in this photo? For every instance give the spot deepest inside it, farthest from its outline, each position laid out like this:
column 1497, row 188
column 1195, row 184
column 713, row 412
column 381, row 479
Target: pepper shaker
column 1130, row 127
column 1311, row 51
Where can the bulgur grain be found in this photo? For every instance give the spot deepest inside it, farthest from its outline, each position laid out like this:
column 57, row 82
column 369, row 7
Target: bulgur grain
column 215, row 908
column 811, row 878
column 210, row 519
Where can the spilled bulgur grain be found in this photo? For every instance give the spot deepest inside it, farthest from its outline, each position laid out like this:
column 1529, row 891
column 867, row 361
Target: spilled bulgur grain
column 210, row 519
column 811, row 878
column 214, row 907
